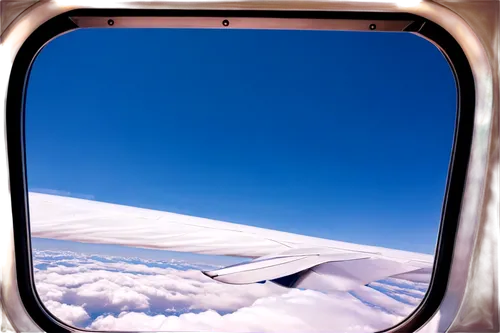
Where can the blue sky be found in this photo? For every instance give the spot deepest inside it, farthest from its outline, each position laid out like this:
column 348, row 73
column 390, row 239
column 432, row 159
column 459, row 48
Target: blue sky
column 332, row 134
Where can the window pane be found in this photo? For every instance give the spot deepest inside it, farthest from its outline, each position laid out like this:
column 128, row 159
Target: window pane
column 327, row 151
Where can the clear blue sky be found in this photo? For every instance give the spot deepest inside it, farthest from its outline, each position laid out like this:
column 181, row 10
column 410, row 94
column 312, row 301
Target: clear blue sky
column 333, row 134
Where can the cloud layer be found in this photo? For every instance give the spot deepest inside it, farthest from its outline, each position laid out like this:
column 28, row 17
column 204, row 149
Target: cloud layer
column 113, row 293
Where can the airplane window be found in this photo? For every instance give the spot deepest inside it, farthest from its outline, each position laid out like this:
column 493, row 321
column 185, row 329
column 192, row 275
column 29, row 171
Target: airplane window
column 236, row 180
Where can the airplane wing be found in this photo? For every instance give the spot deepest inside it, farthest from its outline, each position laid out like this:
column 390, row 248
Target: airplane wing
column 287, row 259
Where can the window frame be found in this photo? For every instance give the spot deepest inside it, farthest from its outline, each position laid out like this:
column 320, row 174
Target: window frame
column 457, row 173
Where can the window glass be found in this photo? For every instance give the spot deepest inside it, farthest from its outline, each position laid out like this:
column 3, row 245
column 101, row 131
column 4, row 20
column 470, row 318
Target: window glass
column 236, row 180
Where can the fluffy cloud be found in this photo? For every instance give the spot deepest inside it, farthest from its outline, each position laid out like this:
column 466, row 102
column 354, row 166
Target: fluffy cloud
column 293, row 311
column 70, row 314
column 110, row 293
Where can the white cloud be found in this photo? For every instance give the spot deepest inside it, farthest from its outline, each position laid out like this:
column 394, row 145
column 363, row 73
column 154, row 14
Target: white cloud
column 70, row 314
column 110, row 293
column 294, row 311
column 62, row 193
column 382, row 301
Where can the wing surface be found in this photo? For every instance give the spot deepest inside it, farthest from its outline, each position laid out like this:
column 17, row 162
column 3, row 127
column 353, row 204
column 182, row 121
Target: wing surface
column 288, row 259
